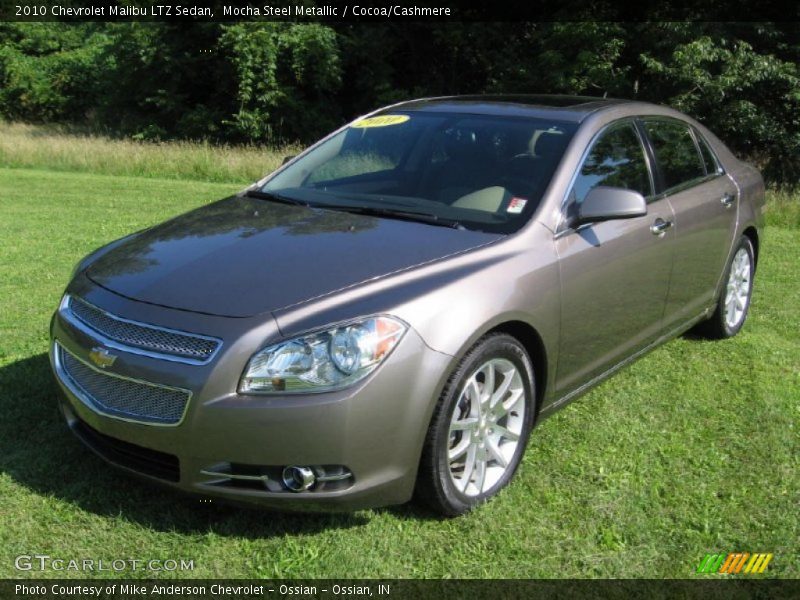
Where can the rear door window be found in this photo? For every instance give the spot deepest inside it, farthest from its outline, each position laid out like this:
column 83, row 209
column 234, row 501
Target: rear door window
column 677, row 154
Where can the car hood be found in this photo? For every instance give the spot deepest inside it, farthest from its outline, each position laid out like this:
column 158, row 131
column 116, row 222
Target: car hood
column 243, row 256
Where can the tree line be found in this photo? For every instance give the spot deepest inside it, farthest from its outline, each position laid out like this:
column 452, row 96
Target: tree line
column 278, row 82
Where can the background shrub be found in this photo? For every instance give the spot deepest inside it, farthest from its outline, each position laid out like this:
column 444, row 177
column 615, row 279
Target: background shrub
column 282, row 82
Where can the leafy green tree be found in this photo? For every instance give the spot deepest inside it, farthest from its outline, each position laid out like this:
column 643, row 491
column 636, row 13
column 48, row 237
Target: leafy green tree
column 166, row 80
column 50, row 71
column 749, row 98
column 285, row 76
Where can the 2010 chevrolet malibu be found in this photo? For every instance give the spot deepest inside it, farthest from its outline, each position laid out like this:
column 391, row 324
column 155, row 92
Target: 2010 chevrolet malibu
column 393, row 310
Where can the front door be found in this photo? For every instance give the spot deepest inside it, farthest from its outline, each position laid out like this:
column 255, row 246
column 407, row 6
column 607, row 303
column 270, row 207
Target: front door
column 614, row 274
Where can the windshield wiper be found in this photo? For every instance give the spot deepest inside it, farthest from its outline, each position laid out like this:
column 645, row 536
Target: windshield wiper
column 394, row 213
column 374, row 211
column 275, row 197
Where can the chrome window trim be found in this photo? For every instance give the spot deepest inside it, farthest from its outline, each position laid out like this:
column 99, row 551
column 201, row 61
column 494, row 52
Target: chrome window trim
column 84, row 327
column 76, row 390
column 677, row 189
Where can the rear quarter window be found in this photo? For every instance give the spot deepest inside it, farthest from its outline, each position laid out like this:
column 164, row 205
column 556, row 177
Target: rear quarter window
column 710, row 161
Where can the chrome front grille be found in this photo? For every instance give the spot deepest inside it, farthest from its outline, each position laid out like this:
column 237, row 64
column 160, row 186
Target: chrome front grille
column 118, row 396
column 148, row 339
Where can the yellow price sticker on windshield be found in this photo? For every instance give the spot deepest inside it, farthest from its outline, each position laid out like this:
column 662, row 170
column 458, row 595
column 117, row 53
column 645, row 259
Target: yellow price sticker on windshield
column 381, row 121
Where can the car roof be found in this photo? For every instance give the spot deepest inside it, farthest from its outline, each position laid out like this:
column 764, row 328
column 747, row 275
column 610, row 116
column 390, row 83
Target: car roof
column 560, row 107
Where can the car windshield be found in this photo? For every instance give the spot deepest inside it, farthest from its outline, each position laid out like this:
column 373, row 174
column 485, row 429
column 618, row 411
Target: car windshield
column 479, row 172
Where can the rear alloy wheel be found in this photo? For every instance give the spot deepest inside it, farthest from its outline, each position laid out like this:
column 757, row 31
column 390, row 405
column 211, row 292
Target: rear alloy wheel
column 734, row 300
column 480, row 428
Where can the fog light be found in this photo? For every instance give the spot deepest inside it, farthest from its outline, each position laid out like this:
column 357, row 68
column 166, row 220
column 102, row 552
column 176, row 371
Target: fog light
column 298, row 479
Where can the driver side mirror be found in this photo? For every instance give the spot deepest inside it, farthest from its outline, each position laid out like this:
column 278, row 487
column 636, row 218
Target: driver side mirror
column 287, row 159
column 607, row 203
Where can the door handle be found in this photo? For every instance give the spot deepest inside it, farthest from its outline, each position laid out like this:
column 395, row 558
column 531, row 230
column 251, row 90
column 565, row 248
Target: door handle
column 660, row 226
column 727, row 200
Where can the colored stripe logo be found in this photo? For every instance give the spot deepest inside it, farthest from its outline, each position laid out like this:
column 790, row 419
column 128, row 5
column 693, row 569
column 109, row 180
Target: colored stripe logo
column 734, row 563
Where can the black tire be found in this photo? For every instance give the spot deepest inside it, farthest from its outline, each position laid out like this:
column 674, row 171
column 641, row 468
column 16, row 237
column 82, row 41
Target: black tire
column 717, row 327
column 435, row 485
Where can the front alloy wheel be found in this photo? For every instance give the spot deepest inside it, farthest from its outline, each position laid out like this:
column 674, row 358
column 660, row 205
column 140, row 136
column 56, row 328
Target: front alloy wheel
column 480, row 427
column 486, row 426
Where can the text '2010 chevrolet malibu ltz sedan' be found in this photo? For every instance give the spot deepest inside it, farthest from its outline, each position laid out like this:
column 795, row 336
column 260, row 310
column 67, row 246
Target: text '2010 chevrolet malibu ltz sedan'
column 391, row 312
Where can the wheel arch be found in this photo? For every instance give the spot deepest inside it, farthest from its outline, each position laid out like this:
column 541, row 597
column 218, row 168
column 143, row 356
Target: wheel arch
column 529, row 337
column 752, row 234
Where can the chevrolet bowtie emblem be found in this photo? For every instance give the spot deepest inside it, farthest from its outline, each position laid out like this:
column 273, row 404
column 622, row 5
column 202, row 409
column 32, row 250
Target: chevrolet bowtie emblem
column 102, row 357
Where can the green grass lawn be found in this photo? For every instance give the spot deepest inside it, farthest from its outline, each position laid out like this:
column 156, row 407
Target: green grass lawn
column 693, row 449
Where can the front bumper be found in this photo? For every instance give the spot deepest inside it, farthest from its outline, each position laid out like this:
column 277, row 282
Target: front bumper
column 374, row 429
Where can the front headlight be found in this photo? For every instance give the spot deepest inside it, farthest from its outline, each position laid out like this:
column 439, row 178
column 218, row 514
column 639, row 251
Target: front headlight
column 323, row 361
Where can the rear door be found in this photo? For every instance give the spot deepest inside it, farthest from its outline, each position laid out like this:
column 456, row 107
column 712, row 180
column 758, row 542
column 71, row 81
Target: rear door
column 614, row 274
column 705, row 203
